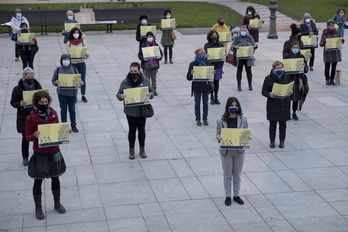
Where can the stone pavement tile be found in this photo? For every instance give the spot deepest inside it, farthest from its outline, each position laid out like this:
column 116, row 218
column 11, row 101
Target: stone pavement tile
column 189, row 153
column 205, row 165
column 151, row 209
column 294, row 198
column 85, row 175
column 188, row 206
column 17, row 203
column 128, row 225
column 22, row 181
column 337, row 156
column 119, row 212
column 215, row 228
column 168, row 190
column 270, row 214
column 341, row 207
column 99, row 140
column 344, row 169
column 320, row 224
column 252, row 226
column 157, row 169
column 30, row 220
column 70, row 199
column 97, row 226
column 9, row 223
column 332, row 195
column 194, row 188
column 108, row 126
column 258, row 201
column 242, row 216
column 253, row 163
column 293, row 180
column 97, row 115
column 181, row 167
column 282, row 225
column 90, row 196
column 157, row 223
column 272, row 161
column 268, row 182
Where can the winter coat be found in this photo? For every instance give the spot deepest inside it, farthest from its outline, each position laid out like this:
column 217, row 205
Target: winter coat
column 140, row 54
column 16, row 98
column 197, row 86
column 253, row 32
column 224, row 28
column 66, row 34
column 166, row 39
column 64, row 70
column 217, row 64
column 330, row 56
column 277, row 109
column 139, row 38
column 31, row 126
column 238, row 41
column 242, row 123
column 133, row 111
column 16, row 23
column 33, row 48
column 286, row 47
column 341, row 24
column 304, row 28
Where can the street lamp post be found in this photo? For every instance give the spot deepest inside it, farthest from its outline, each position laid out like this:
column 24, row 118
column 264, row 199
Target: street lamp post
column 272, row 25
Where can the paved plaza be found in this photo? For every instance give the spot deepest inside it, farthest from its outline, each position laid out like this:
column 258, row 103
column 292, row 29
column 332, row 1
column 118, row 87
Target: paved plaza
column 179, row 187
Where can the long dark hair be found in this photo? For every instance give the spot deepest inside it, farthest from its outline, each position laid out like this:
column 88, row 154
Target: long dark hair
column 210, row 33
column 229, row 102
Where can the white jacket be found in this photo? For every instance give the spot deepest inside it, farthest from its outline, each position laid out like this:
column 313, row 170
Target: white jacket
column 16, row 23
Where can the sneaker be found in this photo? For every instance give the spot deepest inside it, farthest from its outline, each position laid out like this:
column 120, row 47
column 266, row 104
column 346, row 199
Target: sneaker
column 199, row 123
column 74, row 129
column 311, row 68
column 228, row 201
column 294, row 116
column 84, row 99
column 25, row 161
column 205, row 122
column 238, row 200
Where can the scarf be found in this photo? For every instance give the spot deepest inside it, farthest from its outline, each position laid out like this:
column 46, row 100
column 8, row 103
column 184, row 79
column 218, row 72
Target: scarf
column 43, row 115
column 334, row 31
column 153, row 62
column 28, row 87
column 200, row 62
column 309, row 25
column 76, row 41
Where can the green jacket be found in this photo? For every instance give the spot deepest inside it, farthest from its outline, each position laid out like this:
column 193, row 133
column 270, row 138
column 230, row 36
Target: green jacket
column 133, row 111
column 166, row 39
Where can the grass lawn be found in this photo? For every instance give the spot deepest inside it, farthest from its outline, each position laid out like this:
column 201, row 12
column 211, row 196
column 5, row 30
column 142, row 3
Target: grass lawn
column 321, row 10
column 186, row 14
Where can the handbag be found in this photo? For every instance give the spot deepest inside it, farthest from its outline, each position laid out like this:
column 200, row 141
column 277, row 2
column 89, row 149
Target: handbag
column 149, row 66
column 210, row 86
column 231, row 59
column 14, row 36
column 147, row 111
column 172, row 35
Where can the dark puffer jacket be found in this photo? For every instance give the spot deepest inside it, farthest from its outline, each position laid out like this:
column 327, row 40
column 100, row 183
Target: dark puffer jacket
column 199, row 86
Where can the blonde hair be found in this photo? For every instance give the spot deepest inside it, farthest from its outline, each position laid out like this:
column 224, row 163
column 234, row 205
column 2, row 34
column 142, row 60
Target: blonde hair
column 243, row 27
column 199, row 49
column 276, row 63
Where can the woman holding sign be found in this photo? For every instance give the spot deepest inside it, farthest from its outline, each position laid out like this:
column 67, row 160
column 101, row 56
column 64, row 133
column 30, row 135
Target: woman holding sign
column 16, row 23
column 340, row 20
column 252, row 14
column 232, row 160
column 135, row 118
column 70, row 15
column 26, row 83
column 46, row 162
column 27, row 51
column 220, row 26
column 332, row 55
column 167, row 40
column 308, row 28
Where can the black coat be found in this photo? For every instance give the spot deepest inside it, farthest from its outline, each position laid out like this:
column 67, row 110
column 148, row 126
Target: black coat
column 218, row 64
column 139, row 38
column 277, row 109
column 140, row 54
column 286, row 47
column 199, row 86
column 17, row 97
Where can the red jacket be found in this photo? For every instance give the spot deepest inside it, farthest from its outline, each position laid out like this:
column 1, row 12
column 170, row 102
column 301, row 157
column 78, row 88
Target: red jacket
column 33, row 120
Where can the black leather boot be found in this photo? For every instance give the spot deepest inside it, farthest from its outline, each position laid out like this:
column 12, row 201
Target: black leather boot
column 212, row 99
column 57, row 206
column 38, row 207
column 217, row 102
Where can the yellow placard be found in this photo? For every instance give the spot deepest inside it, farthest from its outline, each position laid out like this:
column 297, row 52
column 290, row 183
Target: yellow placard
column 333, row 44
column 255, row 24
column 25, row 38
column 217, row 54
column 136, row 96
column 53, row 134
column 293, row 66
column 69, row 80
column 235, row 139
column 69, row 26
column 78, row 52
column 281, row 90
column 225, row 37
column 306, row 53
column 245, row 52
column 168, row 24
column 203, row 73
column 28, row 97
column 151, row 52
column 146, row 29
column 310, row 42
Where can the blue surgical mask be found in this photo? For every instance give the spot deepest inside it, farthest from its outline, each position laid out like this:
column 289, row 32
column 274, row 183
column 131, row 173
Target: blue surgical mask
column 233, row 109
column 243, row 33
column 70, row 18
column 279, row 72
column 200, row 56
column 150, row 39
column 66, row 62
column 144, row 21
column 168, row 16
column 249, row 12
column 295, row 50
column 19, row 15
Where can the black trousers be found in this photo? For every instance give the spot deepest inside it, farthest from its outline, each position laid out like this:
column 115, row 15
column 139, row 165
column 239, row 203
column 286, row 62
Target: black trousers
column 294, row 106
column 216, row 89
column 241, row 63
column 333, row 70
column 165, row 48
column 273, row 128
column 135, row 123
column 311, row 60
column 55, row 184
column 16, row 50
column 25, row 147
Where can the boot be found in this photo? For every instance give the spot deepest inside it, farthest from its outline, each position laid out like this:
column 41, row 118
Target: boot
column 250, row 87
column 281, row 144
column 142, row 152
column 217, row 102
column 327, row 82
column 239, row 87
column 165, row 61
column 57, row 206
column 38, row 207
column 171, row 61
column 212, row 99
column 131, row 153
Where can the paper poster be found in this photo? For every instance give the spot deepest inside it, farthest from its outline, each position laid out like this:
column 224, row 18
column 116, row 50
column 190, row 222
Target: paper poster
column 69, row 81
column 168, row 24
column 235, row 139
column 245, row 52
column 225, row 37
column 136, row 96
column 310, row 42
column 69, row 26
column 78, row 53
column 255, row 24
column 28, row 97
column 151, row 52
column 333, row 44
column 25, row 38
column 282, row 90
column 203, row 73
column 306, row 53
column 53, row 134
column 146, row 29
column 217, row 54
column 293, row 66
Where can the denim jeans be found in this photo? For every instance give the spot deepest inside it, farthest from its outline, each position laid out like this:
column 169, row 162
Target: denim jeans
column 27, row 59
column 64, row 102
column 198, row 95
column 81, row 67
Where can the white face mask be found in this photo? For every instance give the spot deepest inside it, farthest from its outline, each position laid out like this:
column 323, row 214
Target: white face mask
column 168, row 16
column 76, row 36
column 150, row 39
column 308, row 20
column 144, row 21
column 70, row 18
column 341, row 14
column 19, row 15
column 249, row 12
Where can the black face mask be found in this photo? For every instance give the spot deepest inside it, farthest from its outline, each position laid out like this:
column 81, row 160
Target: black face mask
column 213, row 38
column 134, row 75
column 221, row 23
column 29, row 81
column 43, row 108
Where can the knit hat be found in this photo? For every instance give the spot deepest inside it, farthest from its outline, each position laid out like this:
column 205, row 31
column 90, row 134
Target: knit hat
column 307, row 15
column 142, row 17
column 294, row 29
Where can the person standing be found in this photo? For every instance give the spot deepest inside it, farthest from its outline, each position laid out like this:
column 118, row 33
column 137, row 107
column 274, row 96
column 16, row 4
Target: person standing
column 143, row 22
column 243, row 39
column 135, row 118
column 251, row 14
column 26, row 83
column 232, row 160
column 295, row 37
column 331, row 57
column 340, row 19
column 16, row 22
column 167, row 41
column 70, row 15
column 67, row 97
column 308, row 28
column 76, row 40
column 278, row 110
column 27, row 52
column 46, row 162
column 220, row 26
